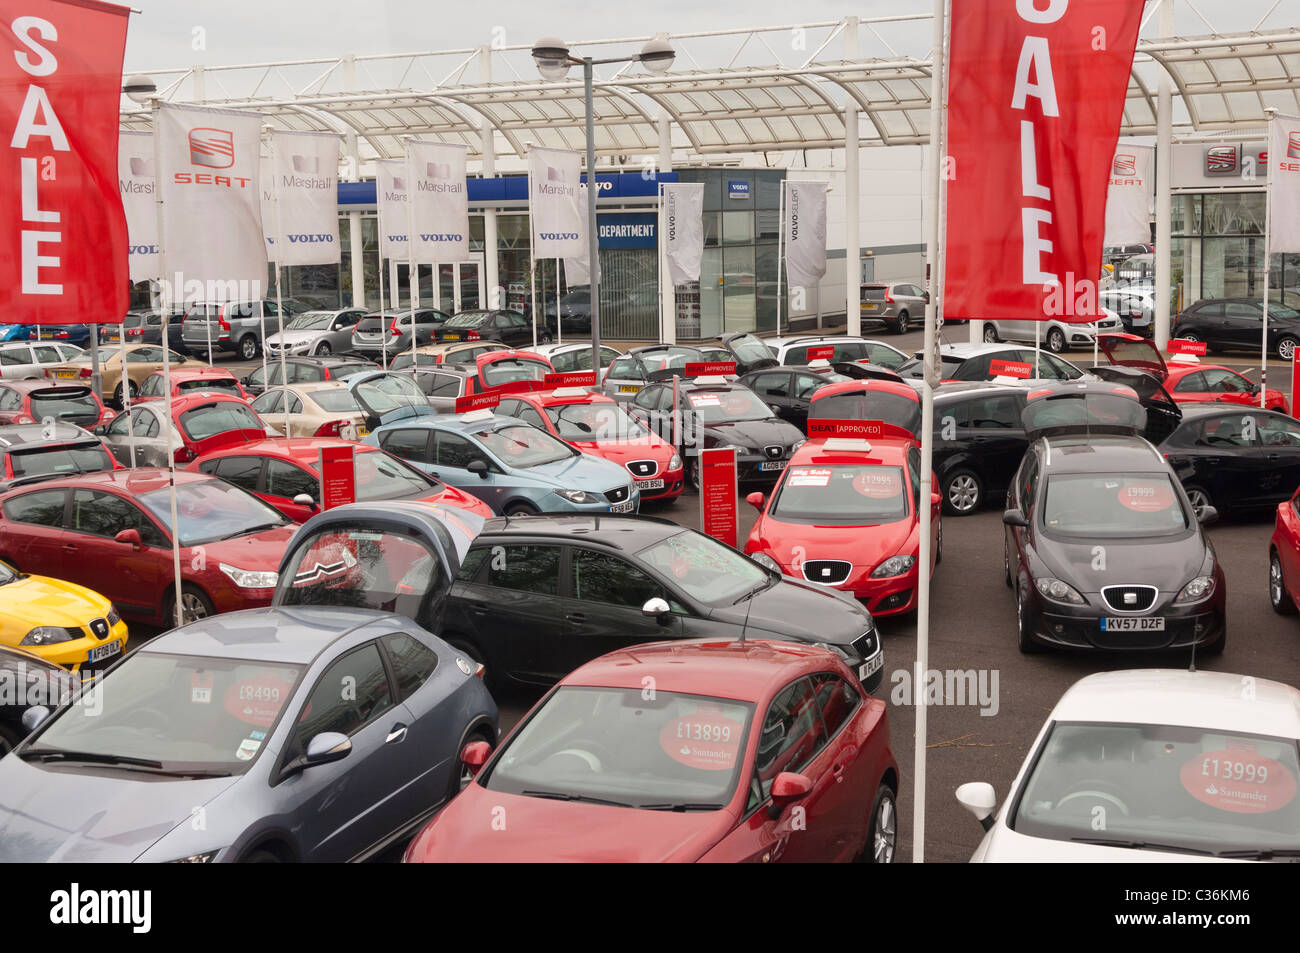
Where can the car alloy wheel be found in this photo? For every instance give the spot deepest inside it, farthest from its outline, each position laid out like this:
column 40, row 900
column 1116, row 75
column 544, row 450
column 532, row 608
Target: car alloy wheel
column 324, row 349
column 1286, row 348
column 902, row 323
column 248, row 347
column 192, row 607
column 1199, row 499
column 884, row 828
column 962, row 493
column 1277, row 594
column 1056, row 340
column 990, row 334
column 1188, row 336
column 1006, row 562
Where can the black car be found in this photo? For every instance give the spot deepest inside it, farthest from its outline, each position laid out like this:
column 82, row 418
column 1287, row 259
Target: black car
column 748, row 351
column 1236, row 324
column 789, row 390
column 1234, row 458
column 306, row 370
column 32, row 682
column 30, row 453
column 716, row 412
column 626, row 375
column 508, row 327
column 1101, row 545
column 538, row 596
column 145, row 327
column 974, row 362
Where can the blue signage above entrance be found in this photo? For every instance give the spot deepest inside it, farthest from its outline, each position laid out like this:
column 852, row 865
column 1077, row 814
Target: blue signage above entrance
column 627, row 229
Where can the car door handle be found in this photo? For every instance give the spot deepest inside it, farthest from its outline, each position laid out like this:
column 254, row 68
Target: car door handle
column 397, row 733
column 576, row 616
column 69, row 547
column 478, row 609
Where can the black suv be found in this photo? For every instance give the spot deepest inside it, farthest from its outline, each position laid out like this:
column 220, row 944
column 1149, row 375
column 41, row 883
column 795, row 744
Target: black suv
column 538, row 596
column 305, row 370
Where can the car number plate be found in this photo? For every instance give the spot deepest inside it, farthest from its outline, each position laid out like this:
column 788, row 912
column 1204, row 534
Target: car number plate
column 105, row 651
column 649, row 484
column 871, row 666
column 451, row 337
column 772, row 465
column 65, row 374
column 1132, row 624
column 868, row 307
column 629, row 388
column 621, row 507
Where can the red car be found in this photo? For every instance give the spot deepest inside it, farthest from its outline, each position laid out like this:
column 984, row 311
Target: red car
column 1185, row 377
column 283, row 470
column 109, row 531
column 599, row 425
column 506, row 370
column 1284, row 558
column 742, row 751
column 34, row 401
column 845, row 513
column 187, row 380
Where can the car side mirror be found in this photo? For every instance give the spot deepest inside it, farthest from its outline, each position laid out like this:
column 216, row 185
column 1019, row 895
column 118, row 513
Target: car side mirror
column 326, row 747
column 935, row 499
column 480, row 467
column 34, row 717
column 755, row 500
column 474, row 755
column 304, row 499
column 1209, row 515
column 980, row 799
column 787, row 788
column 100, row 430
column 130, row 537
column 657, row 609
column 1014, row 517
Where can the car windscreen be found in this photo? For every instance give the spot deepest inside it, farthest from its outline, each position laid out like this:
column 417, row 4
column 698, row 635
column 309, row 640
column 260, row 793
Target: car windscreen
column 1195, row 789
column 1083, row 410
column 208, row 420
column 856, row 495
column 213, row 385
column 335, row 401
column 599, row 421
column 670, row 359
column 374, row 323
column 467, row 319
column 340, row 371
column 660, row 750
column 843, row 351
column 390, row 571
column 74, row 404
column 522, row 445
column 869, row 405
column 1114, row 505
column 188, row 713
column 212, row 510
column 510, row 369
column 750, row 349
column 704, row 568
column 389, row 392
column 727, row 406
column 60, row 459
column 311, row 321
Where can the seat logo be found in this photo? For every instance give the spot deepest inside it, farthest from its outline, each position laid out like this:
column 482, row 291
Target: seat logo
column 212, row 148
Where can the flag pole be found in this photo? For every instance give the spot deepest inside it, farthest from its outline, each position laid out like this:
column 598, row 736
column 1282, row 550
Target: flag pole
column 780, row 251
column 411, row 265
column 279, row 275
column 1270, row 113
column 125, row 382
column 559, row 334
column 178, row 616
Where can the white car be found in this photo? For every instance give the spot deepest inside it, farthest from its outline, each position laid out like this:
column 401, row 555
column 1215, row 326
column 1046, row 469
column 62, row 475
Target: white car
column 793, row 349
column 1055, row 336
column 573, row 357
column 1153, row 765
column 27, row 360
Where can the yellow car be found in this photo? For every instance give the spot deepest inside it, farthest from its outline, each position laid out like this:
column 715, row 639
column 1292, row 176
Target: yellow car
column 61, row 622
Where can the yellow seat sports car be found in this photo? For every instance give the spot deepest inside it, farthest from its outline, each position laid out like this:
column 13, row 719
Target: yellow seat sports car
column 61, row 622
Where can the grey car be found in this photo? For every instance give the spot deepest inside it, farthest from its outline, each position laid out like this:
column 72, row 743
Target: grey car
column 386, row 333
column 239, row 326
column 899, row 305
column 297, row 733
column 316, row 333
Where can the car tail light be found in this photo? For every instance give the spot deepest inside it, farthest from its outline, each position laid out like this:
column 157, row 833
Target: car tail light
column 106, row 414
column 9, row 467
column 330, row 429
column 135, row 332
column 184, row 455
column 63, row 334
column 392, row 328
column 24, row 419
column 473, row 336
column 479, row 669
column 87, row 372
column 889, row 297
column 222, row 323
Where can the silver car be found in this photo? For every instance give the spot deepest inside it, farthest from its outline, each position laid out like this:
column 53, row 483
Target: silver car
column 316, row 333
column 1056, row 336
column 899, row 305
column 301, row 733
column 27, row 360
column 575, row 356
column 239, row 326
column 1136, row 307
column 387, row 333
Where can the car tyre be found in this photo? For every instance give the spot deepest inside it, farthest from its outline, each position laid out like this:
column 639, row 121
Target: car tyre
column 247, row 347
column 963, row 492
column 259, row 856
column 519, row 508
column 195, row 605
column 882, row 832
column 1006, row 562
column 991, row 334
column 901, row 325
column 1278, row 596
column 1024, row 637
column 1199, row 499
column 544, row 337
column 117, row 394
column 693, row 474
column 1286, row 347
column 1056, row 340
column 324, row 350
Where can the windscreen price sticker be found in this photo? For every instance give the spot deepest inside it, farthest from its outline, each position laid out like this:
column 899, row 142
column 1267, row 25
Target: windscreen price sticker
column 1239, row 781
column 705, row 739
column 256, row 701
column 705, row 400
column 1146, row 497
column 877, row 484
column 806, row 476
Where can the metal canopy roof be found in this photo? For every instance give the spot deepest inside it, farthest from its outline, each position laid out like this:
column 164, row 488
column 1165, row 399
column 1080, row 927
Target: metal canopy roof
column 1224, row 81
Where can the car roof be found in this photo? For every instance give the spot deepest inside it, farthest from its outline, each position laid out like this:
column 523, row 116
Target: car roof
column 866, row 385
column 887, row 451
column 457, row 423
column 1179, row 697
column 966, row 349
column 17, row 435
column 1108, row 453
column 953, row 391
column 749, row 671
column 45, row 383
column 647, row 348
column 1194, row 411
column 330, row 360
column 287, row 634
column 563, row 396
column 197, row 372
column 303, row 449
column 191, row 399
column 133, row 481
column 630, row 533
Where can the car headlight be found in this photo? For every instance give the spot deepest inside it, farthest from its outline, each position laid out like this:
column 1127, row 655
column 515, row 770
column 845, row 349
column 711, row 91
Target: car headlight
column 577, row 496
column 1058, row 591
column 838, row 650
column 113, row 616
column 204, row 858
column 1199, row 588
column 675, row 463
column 50, row 634
column 250, row 578
column 795, row 446
column 893, row 566
column 766, row 561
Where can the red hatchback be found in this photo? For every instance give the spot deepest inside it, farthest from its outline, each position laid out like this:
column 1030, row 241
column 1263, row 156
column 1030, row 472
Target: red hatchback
column 1284, row 558
column 755, row 751
column 1187, row 379
column 283, row 472
column 110, row 532
column 187, row 380
column 34, row 401
column 599, row 425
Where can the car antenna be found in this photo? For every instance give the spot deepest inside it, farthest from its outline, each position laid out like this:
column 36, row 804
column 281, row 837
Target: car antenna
column 1192, row 666
column 745, row 625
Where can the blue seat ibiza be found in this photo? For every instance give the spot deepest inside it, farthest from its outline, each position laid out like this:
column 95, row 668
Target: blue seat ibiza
column 512, row 466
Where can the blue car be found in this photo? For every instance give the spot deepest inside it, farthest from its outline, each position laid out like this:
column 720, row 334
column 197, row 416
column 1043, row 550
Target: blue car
column 513, row 467
column 78, row 334
column 17, row 332
column 295, row 733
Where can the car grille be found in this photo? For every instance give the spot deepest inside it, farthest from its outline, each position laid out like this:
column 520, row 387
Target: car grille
column 643, row 468
column 826, row 571
column 1129, row 598
column 618, row 494
column 867, row 644
column 774, row 453
column 99, row 627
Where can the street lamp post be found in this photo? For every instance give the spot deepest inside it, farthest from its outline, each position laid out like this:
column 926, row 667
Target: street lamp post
column 553, row 61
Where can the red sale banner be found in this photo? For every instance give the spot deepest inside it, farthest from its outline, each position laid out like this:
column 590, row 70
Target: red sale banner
column 1011, row 369
column 1037, row 94
column 1178, row 346
column 338, row 476
column 570, row 379
column 478, row 402
column 63, row 248
column 707, row 368
column 718, row 495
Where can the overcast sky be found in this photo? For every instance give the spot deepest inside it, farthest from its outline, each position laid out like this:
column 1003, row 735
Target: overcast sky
column 172, row 33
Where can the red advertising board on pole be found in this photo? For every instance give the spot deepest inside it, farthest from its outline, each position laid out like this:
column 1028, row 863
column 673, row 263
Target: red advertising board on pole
column 338, row 476
column 718, row 495
column 1179, row 346
column 819, row 427
column 708, row 368
column 570, row 379
column 478, row 402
